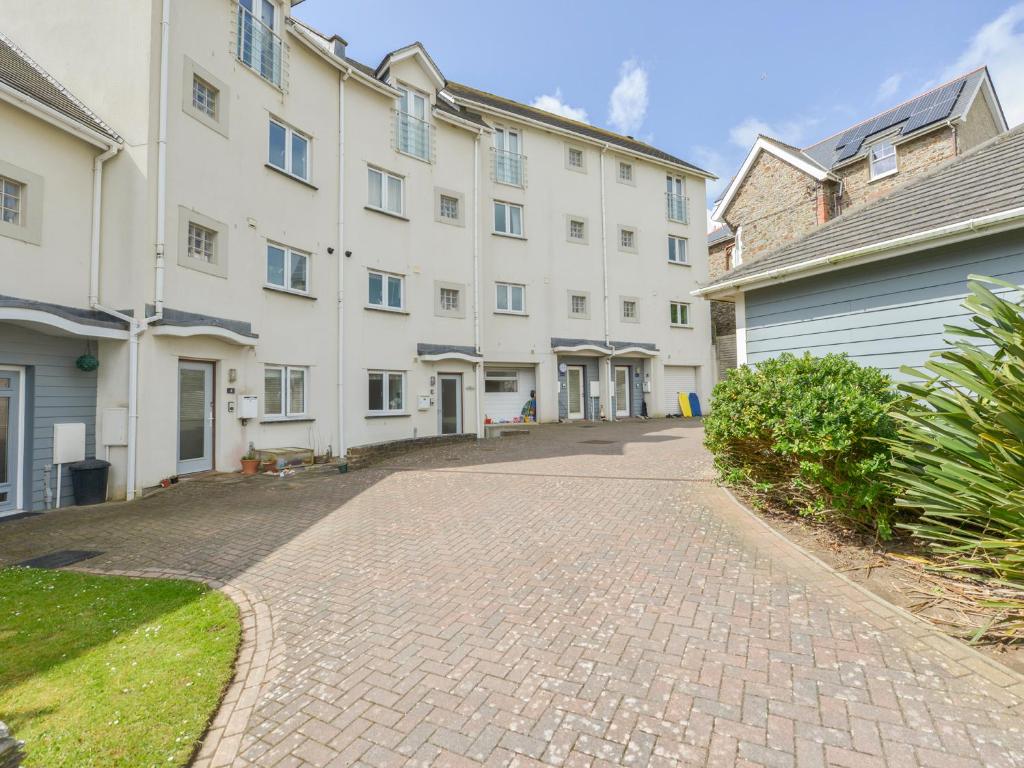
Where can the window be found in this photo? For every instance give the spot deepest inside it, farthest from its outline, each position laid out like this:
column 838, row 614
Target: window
column 202, row 243
column 11, row 195
column 509, row 164
column 574, row 159
column 386, row 192
column 675, row 198
column 629, row 311
column 677, row 253
column 386, row 291
column 449, row 299
column 625, row 172
column 284, row 392
column 882, row 157
column 386, row 392
column 679, row 313
column 508, row 219
column 449, row 207
column 287, row 268
column 413, row 132
column 204, row 97
column 578, row 305
column 259, row 47
column 289, row 150
column 501, row 382
column 509, row 297
column 577, row 230
column 627, row 239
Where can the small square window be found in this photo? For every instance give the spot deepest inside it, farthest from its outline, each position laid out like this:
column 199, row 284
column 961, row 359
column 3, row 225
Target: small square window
column 882, row 159
column 578, row 304
column 202, row 243
column 12, row 193
column 625, row 172
column 679, row 313
column 574, row 158
column 577, row 230
column 449, row 299
column 449, row 207
column 204, row 97
column 627, row 239
column 629, row 309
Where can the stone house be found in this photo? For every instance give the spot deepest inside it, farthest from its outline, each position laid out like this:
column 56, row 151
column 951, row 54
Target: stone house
column 782, row 192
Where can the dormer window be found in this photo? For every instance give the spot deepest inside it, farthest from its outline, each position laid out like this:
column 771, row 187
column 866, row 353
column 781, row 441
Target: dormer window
column 412, row 128
column 259, row 46
column 882, row 159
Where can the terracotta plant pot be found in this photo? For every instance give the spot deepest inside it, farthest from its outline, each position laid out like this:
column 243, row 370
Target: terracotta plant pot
column 250, row 466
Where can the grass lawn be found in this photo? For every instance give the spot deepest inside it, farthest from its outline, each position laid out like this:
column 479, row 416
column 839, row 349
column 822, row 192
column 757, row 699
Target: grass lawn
column 106, row 671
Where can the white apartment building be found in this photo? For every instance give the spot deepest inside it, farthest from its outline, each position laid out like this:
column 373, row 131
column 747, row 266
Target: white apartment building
column 266, row 242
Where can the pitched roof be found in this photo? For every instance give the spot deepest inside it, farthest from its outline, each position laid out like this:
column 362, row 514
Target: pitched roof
column 20, row 72
column 483, row 98
column 987, row 180
column 948, row 101
column 720, row 234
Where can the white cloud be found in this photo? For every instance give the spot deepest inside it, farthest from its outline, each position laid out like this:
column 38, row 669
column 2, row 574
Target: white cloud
column 627, row 105
column 555, row 105
column 1000, row 45
column 889, row 87
column 712, row 160
column 711, row 225
column 792, row 131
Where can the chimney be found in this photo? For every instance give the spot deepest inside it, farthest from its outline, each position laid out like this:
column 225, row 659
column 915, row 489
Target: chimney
column 821, row 204
column 338, row 47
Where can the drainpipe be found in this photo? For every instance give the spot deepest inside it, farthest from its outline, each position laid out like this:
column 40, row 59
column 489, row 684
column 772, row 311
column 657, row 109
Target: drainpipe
column 344, row 75
column 97, row 205
column 161, row 162
column 477, row 367
column 604, row 277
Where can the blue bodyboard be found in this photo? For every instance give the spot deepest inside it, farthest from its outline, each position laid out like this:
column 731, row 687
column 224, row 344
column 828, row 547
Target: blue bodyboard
column 695, row 404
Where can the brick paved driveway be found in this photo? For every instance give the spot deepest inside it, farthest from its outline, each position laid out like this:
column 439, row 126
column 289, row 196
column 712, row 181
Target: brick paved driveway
column 577, row 596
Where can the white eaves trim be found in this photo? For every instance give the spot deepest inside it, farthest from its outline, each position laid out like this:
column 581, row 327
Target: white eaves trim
column 459, row 123
column 418, row 51
column 41, row 317
column 884, row 249
column 764, row 145
column 215, row 331
column 53, row 117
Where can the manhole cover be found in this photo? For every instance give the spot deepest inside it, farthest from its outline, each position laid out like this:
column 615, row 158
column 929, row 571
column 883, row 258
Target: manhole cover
column 61, row 558
column 597, row 442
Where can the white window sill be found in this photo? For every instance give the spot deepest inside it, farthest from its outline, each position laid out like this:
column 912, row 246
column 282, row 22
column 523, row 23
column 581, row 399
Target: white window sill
column 392, row 214
column 392, row 310
column 386, row 414
column 414, row 156
column 286, row 419
column 881, row 176
column 292, row 176
column 254, row 71
column 509, row 235
column 579, row 317
column 288, row 291
column 680, row 263
column 510, row 312
column 509, row 184
column 678, row 325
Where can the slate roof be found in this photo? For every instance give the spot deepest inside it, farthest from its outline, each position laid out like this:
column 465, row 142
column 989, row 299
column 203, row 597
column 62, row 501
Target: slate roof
column 424, row 348
column 460, row 91
column 23, row 74
column 984, row 181
column 724, row 232
column 85, row 316
column 827, row 152
column 191, row 319
column 557, row 341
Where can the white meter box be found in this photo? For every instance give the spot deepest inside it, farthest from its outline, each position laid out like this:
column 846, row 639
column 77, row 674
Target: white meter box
column 68, row 443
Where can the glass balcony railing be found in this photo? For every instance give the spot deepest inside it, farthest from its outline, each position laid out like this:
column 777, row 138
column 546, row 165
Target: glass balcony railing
column 677, row 208
column 413, row 135
column 258, row 47
column 509, row 167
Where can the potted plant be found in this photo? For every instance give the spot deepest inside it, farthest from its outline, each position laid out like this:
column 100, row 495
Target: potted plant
column 250, row 462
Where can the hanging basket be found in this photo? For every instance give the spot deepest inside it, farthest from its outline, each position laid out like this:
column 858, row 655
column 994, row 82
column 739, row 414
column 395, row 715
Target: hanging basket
column 87, row 363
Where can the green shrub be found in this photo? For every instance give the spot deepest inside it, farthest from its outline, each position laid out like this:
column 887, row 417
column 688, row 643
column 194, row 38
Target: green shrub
column 960, row 454
column 804, row 433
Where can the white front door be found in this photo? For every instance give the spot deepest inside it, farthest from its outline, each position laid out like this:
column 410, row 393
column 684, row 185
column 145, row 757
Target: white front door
column 574, row 385
column 10, row 438
column 195, row 417
column 451, row 403
column 621, row 391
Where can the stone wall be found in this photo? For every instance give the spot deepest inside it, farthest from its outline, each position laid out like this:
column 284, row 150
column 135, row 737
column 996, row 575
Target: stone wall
column 361, row 456
column 717, row 258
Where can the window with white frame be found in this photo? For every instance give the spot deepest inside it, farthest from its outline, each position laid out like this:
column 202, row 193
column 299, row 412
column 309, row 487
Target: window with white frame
column 202, row 243
column 577, row 229
column 510, row 297
column 501, row 381
column 677, row 252
column 287, row 268
column 574, row 158
column 284, row 391
column 508, row 219
column 386, row 390
column 882, row 157
column 627, row 238
column 629, row 309
column 449, row 207
column 259, row 45
column 449, row 299
column 578, row 304
column 413, row 130
column 12, row 195
column 679, row 313
column 386, row 191
column 204, row 97
column 289, row 150
column 625, row 172
column 675, row 199
column 386, row 291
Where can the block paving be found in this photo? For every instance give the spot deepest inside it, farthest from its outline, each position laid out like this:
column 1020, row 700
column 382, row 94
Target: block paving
column 541, row 601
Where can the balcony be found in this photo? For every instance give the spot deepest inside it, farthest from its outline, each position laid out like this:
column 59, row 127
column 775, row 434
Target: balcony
column 509, row 167
column 258, row 47
column 413, row 135
column 677, row 208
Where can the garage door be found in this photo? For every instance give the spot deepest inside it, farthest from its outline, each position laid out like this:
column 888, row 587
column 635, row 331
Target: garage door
column 506, row 391
column 678, row 378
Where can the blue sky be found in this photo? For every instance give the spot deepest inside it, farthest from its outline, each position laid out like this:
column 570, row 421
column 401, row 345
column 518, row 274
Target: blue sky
column 699, row 80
